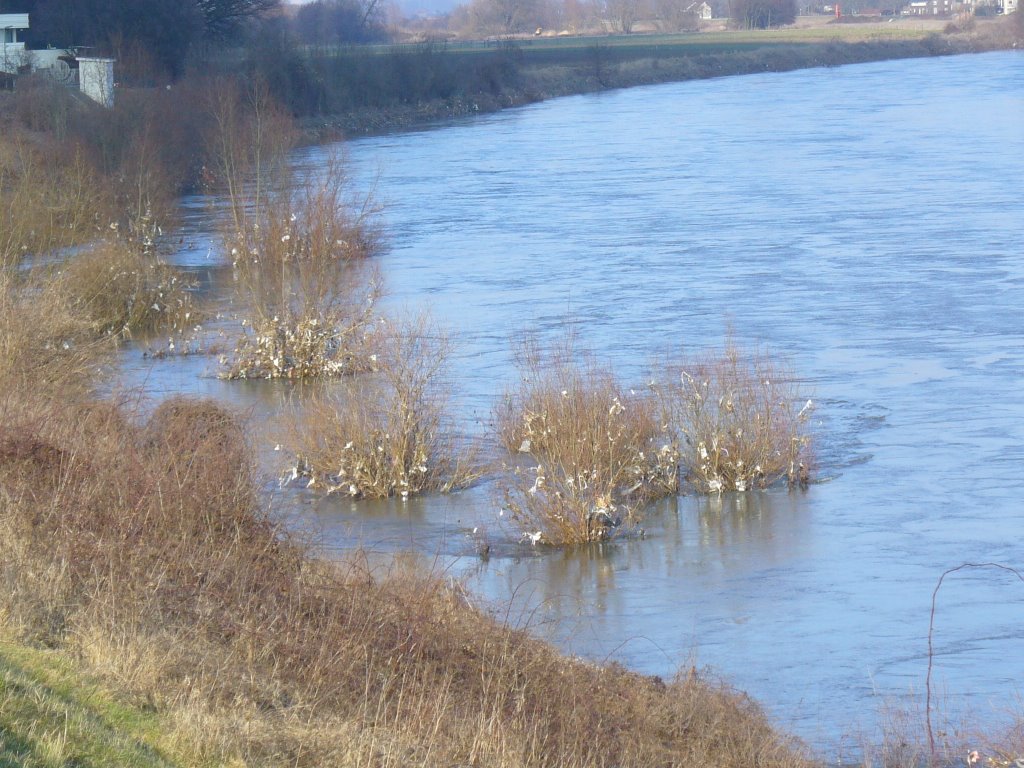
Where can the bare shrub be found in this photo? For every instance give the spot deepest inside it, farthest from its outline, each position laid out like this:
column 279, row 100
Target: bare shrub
column 47, row 202
column 250, row 141
column 44, row 345
column 743, row 420
column 306, row 301
column 119, row 290
column 42, row 104
column 387, row 433
column 600, row 448
column 305, row 312
column 308, row 298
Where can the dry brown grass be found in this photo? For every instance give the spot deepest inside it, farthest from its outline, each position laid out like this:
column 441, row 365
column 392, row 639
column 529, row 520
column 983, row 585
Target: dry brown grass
column 966, row 739
column 600, row 448
column 119, row 289
column 743, row 419
column 48, row 201
column 389, row 433
column 144, row 547
column 44, row 345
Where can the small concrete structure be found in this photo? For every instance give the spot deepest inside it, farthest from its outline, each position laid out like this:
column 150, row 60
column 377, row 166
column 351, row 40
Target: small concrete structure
column 96, row 79
column 93, row 76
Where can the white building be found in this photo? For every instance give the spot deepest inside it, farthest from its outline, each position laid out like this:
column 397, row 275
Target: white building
column 700, row 10
column 93, row 76
column 12, row 51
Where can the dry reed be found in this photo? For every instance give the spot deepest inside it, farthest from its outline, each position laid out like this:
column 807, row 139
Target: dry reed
column 388, row 433
column 44, row 345
column 121, row 288
column 743, row 420
column 47, row 203
column 600, row 448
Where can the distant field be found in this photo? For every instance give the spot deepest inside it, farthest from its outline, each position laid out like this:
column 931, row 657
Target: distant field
column 807, row 30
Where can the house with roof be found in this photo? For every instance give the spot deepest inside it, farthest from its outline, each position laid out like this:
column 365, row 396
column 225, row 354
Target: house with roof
column 701, row 10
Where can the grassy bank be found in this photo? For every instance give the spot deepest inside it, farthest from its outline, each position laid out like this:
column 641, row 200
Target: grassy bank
column 141, row 548
column 52, row 714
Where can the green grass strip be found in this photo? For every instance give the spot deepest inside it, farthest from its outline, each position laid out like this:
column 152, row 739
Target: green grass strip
column 51, row 716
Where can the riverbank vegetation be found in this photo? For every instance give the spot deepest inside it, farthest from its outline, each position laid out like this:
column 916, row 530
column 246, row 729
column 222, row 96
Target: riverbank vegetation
column 364, row 90
column 304, row 294
column 597, row 450
column 726, row 420
column 389, row 433
column 742, row 419
column 138, row 546
column 345, row 67
column 142, row 548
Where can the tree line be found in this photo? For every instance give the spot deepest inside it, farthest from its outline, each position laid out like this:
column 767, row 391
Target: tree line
column 160, row 36
column 512, row 17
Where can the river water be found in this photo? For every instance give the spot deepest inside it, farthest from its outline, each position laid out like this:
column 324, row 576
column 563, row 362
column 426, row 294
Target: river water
column 863, row 222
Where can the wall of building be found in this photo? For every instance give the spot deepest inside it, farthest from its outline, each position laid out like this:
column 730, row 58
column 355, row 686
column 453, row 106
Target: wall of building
column 96, row 79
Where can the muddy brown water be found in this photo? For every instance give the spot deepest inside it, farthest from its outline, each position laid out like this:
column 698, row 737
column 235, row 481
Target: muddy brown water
column 865, row 223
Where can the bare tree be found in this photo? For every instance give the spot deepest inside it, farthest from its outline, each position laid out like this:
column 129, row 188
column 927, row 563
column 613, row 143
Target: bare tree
column 503, row 17
column 334, row 22
column 761, row 14
column 221, row 18
column 165, row 29
column 625, row 13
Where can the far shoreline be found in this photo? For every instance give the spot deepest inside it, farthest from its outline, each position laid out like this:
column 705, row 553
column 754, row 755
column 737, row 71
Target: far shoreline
column 545, row 82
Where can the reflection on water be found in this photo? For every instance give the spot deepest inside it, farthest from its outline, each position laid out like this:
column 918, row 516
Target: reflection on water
column 862, row 221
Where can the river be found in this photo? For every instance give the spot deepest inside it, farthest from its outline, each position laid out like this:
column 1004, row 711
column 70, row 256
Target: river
column 863, row 222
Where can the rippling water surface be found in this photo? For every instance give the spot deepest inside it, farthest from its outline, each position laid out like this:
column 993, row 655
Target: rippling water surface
column 866, row 223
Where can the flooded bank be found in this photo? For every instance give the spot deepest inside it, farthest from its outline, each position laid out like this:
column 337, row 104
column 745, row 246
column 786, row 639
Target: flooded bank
column 864, row 223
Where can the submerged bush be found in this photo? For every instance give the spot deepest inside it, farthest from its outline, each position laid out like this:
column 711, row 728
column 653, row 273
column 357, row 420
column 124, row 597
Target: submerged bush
column 296, row 246
column 386, row 433
column 600, row 449
column 307, row 300
column 743, row 421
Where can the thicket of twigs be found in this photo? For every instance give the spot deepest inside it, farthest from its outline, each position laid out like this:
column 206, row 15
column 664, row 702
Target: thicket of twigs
column 387, row 433
column 597, row 450
column 743, row 421
column 298, row 247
